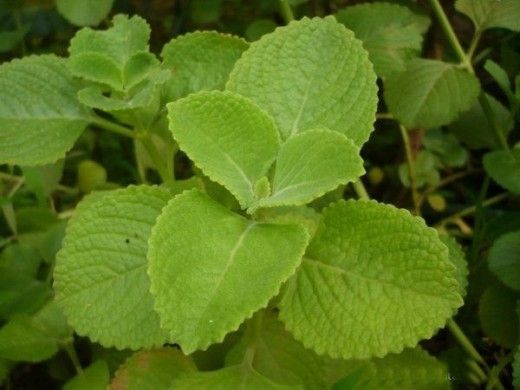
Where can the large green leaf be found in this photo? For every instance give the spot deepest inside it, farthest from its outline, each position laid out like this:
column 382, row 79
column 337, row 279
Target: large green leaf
column 40, row 117
column 84, row 12
column 392, row 34
column 430, row 93
column 204, row 258
column 117, row 57
column 491, row 13
column 154, row 369
column 374, row 280
column 311, row 164
column 100, row 275
column 227, row 136
column 504, row 259
column 312, row 73
column 504, row 167
column 94, row 377
column 201, row 60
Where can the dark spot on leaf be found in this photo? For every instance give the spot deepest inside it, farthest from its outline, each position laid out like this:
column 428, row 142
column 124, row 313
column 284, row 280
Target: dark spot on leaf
column 127, row 241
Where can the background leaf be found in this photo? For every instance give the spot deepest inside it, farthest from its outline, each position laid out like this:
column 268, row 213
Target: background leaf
column 84, row 12
column 504, row 167
column 504, row 259
column 94, row 377
column 491, row 13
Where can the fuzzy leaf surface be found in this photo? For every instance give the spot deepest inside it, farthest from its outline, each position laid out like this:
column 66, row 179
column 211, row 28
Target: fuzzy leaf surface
column 84, row 12
column 201, row 60
column 504, row 167
column 311, row 73
column 40, row 116
column 228, row 137
column 154, row 369
column 504, row 259
column 204, row 258
column 374, row 280
column 491, row 13
column 430, row 93
column 391, row 33
column 100, row 276
column 311, row 164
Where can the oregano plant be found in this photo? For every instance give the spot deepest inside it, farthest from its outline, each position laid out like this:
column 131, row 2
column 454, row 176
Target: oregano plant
column 267, row 266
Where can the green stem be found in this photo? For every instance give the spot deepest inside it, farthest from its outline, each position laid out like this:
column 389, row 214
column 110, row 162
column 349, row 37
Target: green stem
column 473, row 45
column 286, row 11
column 158, row 161
column 69, row 348
column 252, row 334
column 494, row 374
column 411, row 169
column 360, row 190
column 113, row 127
column 465, row 343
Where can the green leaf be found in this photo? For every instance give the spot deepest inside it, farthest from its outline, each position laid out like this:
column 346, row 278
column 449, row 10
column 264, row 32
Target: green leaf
column 374, row 280
column 117, row 57
column 40, row 116
column 498, row 317
column 94, row 377
column 154, row 369
column 90, row 176
column 426, row 172
column 311, row 164
column 430, row 93
column 500, row 76
column 309, row 74
column 473, row 128
column 241, row 377
column 203, row 257
column 446, row 147
column 491, row 13
column 228, row 137
column 504, row 167
column 10, row 39
column 201, row 60
column 100, row 276
column 458, row 259
column 504, row 259
column 392, row 34
column 43, row 179
column 84, row 12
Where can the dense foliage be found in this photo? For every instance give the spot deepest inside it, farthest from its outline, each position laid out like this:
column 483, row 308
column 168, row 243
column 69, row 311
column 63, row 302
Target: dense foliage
column 259, row 194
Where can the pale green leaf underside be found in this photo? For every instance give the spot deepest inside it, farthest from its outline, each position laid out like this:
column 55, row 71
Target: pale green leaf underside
column 241, row 377
column 311, row 164
column 201, row 60
column 430, row 93
column 227, row 136
column 491, row 13
column 154, row 369
column 375, row 280
column 504, row 259
column 84, row 12
column 40, row 116
column 210, row 269
column 100, row 276
column 504, row 167
column 392, row 34
column 311, row 73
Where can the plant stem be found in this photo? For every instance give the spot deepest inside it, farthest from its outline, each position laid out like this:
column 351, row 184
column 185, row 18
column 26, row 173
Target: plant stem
column 473, row 45
column 252, row 333
column 113, row 127
column 360, row 190
column 385, row 115
column 69, row 348
column 286, row 11
column 464, row 342
column 494, row 374
column 157, row 159
column 411, row 169
column 447, row 180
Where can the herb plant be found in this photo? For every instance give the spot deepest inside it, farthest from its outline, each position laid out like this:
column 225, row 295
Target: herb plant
column 253, row 272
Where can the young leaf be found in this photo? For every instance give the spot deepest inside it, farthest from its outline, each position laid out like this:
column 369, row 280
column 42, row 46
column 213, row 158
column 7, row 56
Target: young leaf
column 430, row 93
column 374, row 280
column 311, row 164
column 204, row 258
column 497, row 315
column 312, row 73
column 115, row 56
column 504, row 167
column 491, row 13
column 233, row 377
column 95, row 376
column 504, row 259
column 392, row 34
column 84, row 12
column 40, row 116
column 201, row 60
column 100, row 276
column 227, row 136
column 154, row 369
